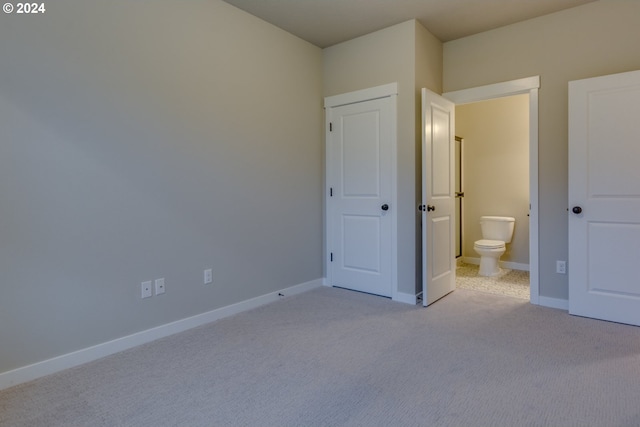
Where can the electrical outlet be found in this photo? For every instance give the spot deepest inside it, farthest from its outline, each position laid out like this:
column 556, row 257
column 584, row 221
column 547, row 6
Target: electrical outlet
column 160, row 286
column 561, row 267
column 208, row 276
column 146, row 289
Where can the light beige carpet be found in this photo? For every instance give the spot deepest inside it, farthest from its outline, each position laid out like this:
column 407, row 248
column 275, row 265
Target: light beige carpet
column 331, row 357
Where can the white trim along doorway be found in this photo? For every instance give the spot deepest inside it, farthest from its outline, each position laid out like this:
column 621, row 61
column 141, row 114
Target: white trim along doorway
column 529, row 86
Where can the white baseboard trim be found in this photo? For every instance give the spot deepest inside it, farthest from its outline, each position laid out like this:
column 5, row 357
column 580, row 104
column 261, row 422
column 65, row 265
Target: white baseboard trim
column 85, row 355
column 503, row 264
column 561, row 304
column 405, row 298
column 397, row 296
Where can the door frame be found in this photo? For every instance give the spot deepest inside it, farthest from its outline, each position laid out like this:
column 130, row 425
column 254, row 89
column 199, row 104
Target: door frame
column 528, row 85
column 389, row 90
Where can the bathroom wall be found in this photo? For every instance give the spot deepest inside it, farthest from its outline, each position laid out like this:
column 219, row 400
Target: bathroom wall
column 496, row 170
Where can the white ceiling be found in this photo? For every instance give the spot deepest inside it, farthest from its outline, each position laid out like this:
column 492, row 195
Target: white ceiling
column 327, row 22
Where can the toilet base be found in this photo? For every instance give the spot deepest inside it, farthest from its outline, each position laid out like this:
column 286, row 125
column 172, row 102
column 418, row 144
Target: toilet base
column 488, row 266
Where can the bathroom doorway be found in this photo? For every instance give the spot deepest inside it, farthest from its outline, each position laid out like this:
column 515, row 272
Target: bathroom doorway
column 495, row 167
column 529, row 86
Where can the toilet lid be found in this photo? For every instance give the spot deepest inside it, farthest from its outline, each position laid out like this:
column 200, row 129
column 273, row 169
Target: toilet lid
column 490, row 244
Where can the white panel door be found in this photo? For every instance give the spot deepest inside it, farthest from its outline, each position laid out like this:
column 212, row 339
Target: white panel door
column 438, row 198
column 604, row 197
column 360, row 208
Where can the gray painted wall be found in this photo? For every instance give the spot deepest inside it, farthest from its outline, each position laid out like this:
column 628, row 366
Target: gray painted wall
column 140, row 141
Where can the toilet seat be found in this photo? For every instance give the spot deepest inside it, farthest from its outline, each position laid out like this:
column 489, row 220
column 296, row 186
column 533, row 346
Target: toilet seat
column 489, row 244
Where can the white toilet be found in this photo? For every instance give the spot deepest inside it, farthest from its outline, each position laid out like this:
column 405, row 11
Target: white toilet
column 496, row 233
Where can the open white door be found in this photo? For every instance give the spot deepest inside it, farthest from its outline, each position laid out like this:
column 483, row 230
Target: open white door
column 604, row 197
column 438, row 199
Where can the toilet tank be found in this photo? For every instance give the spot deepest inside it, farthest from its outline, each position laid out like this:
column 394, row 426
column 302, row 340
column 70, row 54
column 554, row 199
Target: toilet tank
column 497, row 227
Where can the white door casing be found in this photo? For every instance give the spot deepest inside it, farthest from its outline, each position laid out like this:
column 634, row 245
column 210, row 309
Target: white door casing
column 360, row 200
column 438, row 199
column 604, row 190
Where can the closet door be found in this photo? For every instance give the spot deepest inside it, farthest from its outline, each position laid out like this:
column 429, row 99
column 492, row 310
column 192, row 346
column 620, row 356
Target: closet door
column 360, row 210
column 604, row 197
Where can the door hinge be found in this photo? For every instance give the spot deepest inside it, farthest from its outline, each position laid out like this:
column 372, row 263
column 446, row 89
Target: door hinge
column 330, row 127
column 331, row 256
column 331, row 192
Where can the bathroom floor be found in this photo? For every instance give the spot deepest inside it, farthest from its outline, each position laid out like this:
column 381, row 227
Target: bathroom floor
column 513, row 283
